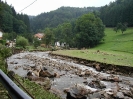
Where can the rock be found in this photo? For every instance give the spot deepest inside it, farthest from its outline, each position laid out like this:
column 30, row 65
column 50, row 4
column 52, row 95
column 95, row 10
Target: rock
column 97, row 84
column 114, row 78
column 66, row 90
column 57, row 75
column 30, row 73
column 120, row 95
column 56, row 91
column 45, row 74
column 96, row 95
column 45, row 82
column 77, row 91
column 36, row 72
column 11, row 62
column 69, row 96
column 97, row 66
column 16, row 67
column 131, row 88
column 88, row 73
column 127, row 93
column 107, row 96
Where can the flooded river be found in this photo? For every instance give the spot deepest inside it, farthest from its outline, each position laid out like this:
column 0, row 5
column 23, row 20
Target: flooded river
column 70, row 74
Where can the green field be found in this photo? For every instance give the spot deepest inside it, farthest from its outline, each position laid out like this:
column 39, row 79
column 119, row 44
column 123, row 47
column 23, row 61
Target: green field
column 117, row 49
column 117, row 41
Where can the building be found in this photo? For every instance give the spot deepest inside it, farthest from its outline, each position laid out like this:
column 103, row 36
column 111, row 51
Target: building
column 39, row 36
column 1, row 35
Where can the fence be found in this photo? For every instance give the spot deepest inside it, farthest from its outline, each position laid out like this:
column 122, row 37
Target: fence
column 14, row 91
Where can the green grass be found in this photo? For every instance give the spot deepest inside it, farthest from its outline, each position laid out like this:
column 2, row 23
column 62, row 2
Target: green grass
column 117, row 41
column 110, row 57
column 117, row 49
column 36, row 90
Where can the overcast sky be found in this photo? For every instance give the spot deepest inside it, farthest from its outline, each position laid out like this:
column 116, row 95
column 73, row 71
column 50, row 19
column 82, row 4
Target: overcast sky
column 40, row 6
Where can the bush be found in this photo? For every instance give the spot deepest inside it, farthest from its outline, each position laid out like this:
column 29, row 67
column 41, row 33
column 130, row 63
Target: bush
column 4, row 53
column 21, row 41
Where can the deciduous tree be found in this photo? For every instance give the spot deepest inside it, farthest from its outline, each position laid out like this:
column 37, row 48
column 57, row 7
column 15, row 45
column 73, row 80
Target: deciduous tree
column 89, row 30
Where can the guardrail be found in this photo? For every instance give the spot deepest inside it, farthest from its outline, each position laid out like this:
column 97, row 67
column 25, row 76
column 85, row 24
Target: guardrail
column 14, row 91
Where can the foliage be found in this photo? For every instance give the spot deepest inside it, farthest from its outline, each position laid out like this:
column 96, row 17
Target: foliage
column 121, row 27
column 59, row 16
column 2, row 42
column 36, row 42
column 4, row 53
column 89, row 30
column 21, row 41
column 28, row 36
column 48, row 37
column 9, row 36
column 64, row 33
column 119, row 11
column 10, row 21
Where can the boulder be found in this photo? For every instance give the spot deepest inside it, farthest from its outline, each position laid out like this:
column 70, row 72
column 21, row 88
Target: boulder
column 120, row 95
column 43, row 73
column 78, row 91
column 45, row 82
column 97, row 84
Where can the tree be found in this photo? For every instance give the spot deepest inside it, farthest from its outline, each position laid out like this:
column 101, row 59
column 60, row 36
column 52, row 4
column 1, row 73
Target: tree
column 89, row 30
column 121, row 27
column 21, row 41
column 48, row 38
column 67, row 33
column 36, row 42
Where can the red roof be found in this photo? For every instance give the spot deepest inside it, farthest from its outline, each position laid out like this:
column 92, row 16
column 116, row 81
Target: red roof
column 39, row 35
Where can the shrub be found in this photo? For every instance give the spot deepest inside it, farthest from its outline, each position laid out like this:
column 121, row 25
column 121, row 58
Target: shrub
column 21, row 41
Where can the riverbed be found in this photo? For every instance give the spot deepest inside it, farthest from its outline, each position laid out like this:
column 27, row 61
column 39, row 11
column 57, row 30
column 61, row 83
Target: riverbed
column 71, row 73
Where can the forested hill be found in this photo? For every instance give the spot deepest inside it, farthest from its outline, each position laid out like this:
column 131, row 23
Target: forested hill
column 59, row 16
column 10, row 21
column 120, row 11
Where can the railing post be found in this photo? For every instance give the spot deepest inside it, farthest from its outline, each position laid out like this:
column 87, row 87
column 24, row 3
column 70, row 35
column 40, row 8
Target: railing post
column 14, row 91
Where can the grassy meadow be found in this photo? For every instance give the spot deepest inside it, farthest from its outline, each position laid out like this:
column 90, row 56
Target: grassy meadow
column 117, row 41
column 117, row 49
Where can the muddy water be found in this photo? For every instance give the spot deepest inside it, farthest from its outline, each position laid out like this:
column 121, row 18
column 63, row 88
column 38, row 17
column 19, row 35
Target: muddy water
column 19, row 64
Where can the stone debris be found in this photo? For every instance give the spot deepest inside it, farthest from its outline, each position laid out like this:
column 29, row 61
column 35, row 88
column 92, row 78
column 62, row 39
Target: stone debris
column 94, row 85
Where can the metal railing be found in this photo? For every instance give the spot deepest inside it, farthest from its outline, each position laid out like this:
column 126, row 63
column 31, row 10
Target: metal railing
column 14, row 91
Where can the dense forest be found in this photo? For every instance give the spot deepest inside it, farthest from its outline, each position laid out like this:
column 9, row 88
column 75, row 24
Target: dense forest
column 10, row 21
column 59, row 16
column 120, row 11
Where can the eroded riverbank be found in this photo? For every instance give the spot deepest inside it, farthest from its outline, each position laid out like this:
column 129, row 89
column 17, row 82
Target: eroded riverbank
column 95, row 82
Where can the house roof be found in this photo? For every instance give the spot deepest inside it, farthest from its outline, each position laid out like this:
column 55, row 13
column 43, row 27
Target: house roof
column 39, row 35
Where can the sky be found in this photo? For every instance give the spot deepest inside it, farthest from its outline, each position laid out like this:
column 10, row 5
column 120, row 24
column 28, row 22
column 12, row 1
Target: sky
column 41, row 6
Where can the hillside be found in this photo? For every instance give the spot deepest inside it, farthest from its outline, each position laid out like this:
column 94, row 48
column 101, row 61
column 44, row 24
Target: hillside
column 117, row 41
column 59, row 16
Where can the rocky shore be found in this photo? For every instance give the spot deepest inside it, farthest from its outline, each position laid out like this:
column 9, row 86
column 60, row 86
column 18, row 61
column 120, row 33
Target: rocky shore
column 74, row 78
